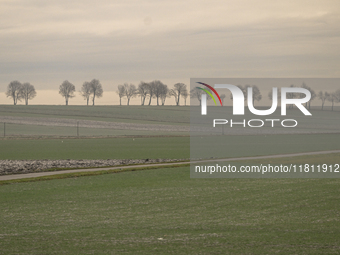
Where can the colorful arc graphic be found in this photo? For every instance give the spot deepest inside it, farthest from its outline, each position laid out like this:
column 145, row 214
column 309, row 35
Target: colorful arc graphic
column 213, row 90
column 207, row 91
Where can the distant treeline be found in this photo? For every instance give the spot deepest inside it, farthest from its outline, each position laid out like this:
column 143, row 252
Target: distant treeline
column 153, row 90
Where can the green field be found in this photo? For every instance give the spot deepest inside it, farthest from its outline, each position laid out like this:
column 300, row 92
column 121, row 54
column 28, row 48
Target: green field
column 96, row 148
column 257, row 145
column 39, row 131
column 129, row 114
column 163, row 211
column 161, row 147
column 151, row 115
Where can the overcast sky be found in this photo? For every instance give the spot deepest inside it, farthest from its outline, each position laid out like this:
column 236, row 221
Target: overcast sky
column 46, row 42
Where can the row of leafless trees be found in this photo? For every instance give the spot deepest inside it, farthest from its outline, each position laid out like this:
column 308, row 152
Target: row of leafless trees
column 20, row 91
column 152, row 90
column 333, row 97
column 89, row 90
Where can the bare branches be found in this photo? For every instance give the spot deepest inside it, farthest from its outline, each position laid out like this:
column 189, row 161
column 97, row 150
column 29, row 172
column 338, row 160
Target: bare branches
column 14, row 91
column 96, row 89
column 197, row 94
column 142, row 91
column 334, row 97
column 164, row 93
column 27, row 92
column 223, row 96
column 86, row 92
column 67, row 89
column 256, row 94
column 121, row 93
column 158, row 90
column 129, row 91
column 177, row 91
column 312, row 93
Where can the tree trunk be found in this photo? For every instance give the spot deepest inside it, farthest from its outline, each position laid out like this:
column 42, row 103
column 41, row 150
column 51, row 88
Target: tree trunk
column 150, row 99
column 120, row 100
column 128, row 102
column 93, row 99
column 157, row 102
column 87, row 101
column 66, row 99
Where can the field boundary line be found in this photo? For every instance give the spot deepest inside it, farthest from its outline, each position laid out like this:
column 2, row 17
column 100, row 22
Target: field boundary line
column 153, row 166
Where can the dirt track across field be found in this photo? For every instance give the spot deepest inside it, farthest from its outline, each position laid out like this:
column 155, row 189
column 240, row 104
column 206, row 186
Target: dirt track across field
column 33, row 175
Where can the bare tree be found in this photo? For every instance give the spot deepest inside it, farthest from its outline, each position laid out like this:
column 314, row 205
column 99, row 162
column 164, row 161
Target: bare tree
column 177, row 91
column 323, row 97
column 337, row 96
column 14, row 91
column 67, row 89
column 130, row 91
column 157, row 88
column 27, row 92
column 185, row 95
column 332, row 97
column 244, row 90
column 312, row 92
column 197, row 94
column 270, row 94
column 292, row 95
column 86, row 92
column 151, row 91
column 143, row 89
column 164, row 93
column 223, row 96
column 256, row 94
column 121, row 93
column 96, row 89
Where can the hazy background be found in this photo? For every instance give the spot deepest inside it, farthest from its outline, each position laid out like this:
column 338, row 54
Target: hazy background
column 46, row 42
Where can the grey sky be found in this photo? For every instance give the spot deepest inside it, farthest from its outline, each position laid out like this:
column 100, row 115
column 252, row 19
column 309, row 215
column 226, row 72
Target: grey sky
column 46, row 42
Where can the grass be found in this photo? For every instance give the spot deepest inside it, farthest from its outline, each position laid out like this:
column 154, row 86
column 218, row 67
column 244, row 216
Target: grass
column 96, row 148
column 163, row 211
column 129, row 114
column 331, row 158
column 257, row 145
column 34, row 131
column 167, row 115
column 163, row 147
column 87, row 173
